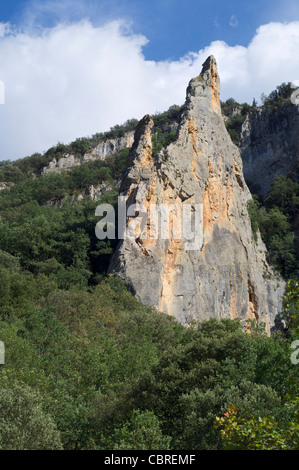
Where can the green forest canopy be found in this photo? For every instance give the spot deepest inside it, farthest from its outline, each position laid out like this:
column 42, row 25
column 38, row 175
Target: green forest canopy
column 89, row 367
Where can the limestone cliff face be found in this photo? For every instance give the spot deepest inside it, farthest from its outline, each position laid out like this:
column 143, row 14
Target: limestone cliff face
column 226, row 275
column 100, row 152
column 270, row 147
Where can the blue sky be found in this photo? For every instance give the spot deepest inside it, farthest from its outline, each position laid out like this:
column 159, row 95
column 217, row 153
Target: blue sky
column 72, row 68
column 173, row 27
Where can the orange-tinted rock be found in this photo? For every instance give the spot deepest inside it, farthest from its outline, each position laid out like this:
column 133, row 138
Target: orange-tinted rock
column 227, row 275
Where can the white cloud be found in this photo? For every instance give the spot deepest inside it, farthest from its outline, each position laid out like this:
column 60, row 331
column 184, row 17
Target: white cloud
column 216, row 22
column 233, row 22
column 78, row 79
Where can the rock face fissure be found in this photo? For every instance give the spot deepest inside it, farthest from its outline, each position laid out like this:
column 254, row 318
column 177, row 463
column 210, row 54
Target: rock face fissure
column 226, row 275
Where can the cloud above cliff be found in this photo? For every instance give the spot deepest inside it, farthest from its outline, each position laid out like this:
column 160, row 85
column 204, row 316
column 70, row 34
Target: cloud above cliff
column 76, row 79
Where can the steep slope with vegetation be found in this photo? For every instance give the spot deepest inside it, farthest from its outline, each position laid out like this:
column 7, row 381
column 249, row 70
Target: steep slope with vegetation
column 94, row 369
column 236, row 113
column 89, row 367
column 276, row 217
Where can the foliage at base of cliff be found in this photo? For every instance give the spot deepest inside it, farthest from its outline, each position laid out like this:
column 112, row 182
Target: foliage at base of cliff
column 277, row 220
column 99, row 370
column 256, row 433
column 88, row 367
column 240, row 430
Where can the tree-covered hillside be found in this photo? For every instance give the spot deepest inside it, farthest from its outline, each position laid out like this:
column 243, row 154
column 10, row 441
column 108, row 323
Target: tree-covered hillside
column 88, row 367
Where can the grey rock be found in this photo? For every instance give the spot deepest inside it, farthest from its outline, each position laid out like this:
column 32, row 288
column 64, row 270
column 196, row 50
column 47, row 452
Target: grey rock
column 100, row 152
column 270, row 147
column 4, row 186
column 227, row 276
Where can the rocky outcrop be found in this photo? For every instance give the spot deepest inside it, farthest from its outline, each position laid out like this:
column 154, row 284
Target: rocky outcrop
column 95, row 192
column 223, row 274
column 270, row 146
column 4, row 186
column 100, row 152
